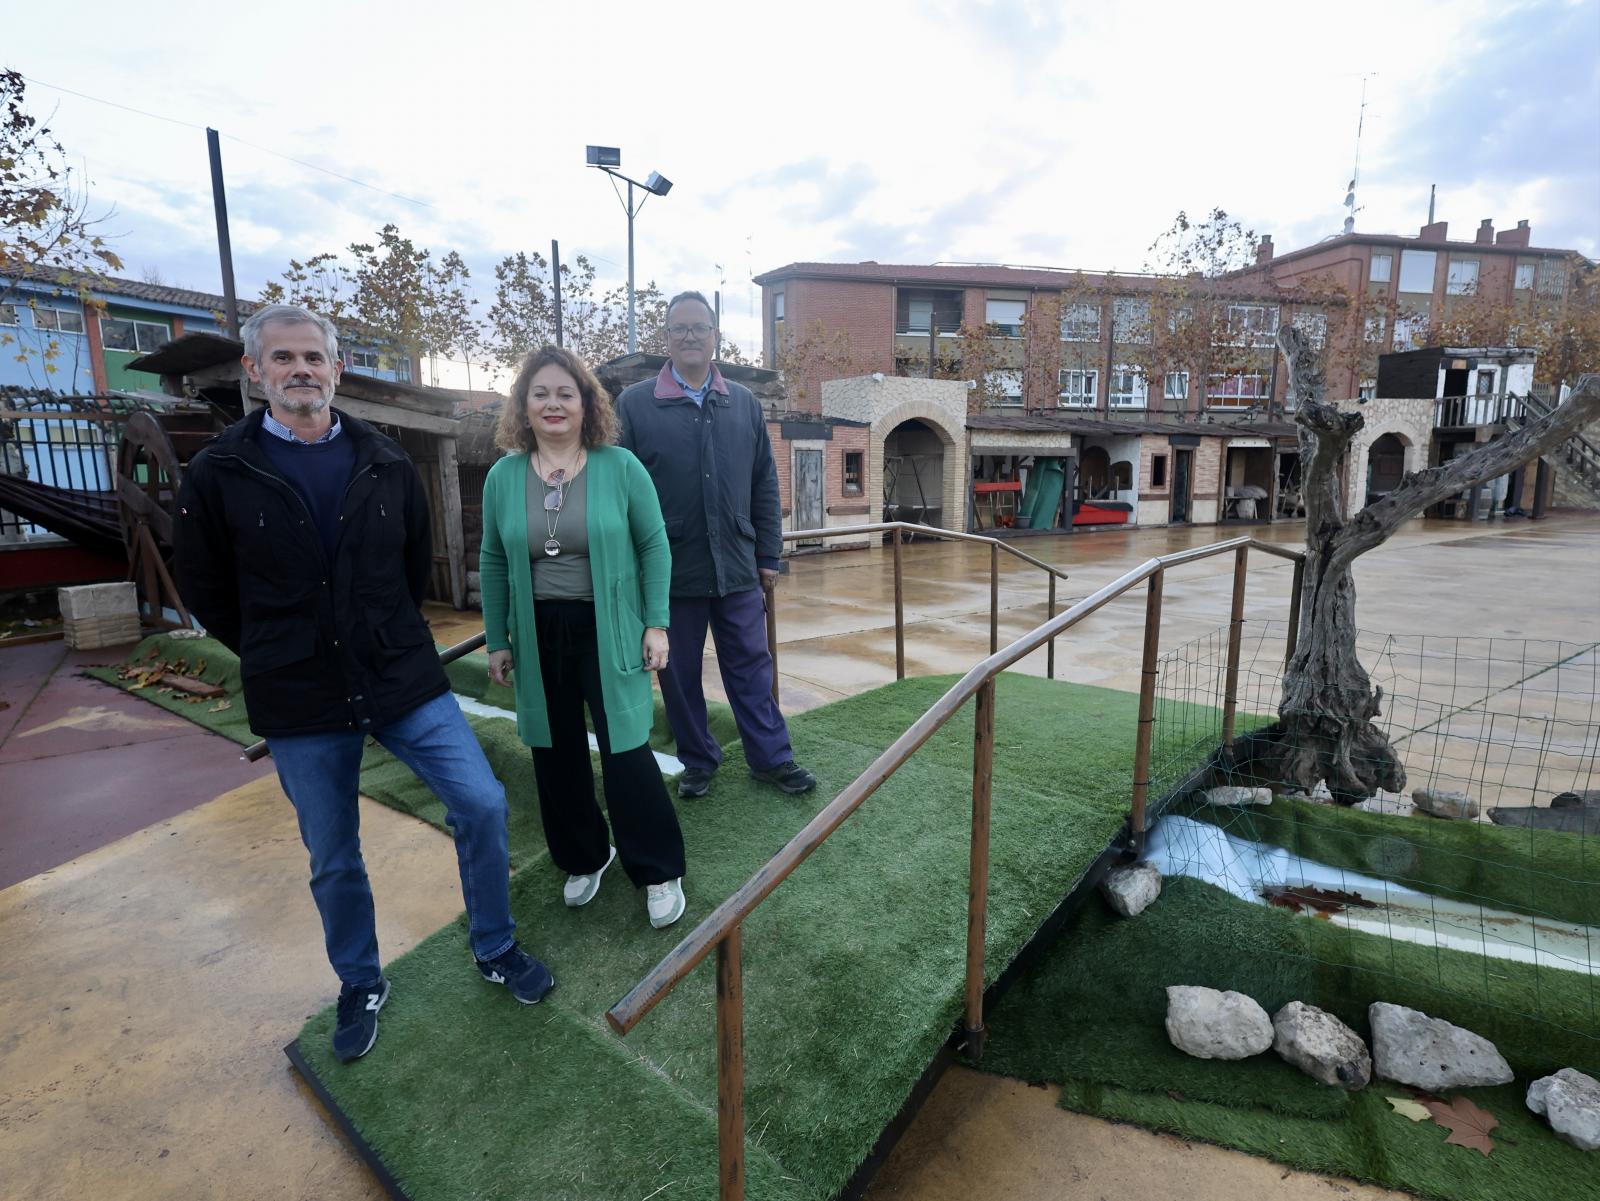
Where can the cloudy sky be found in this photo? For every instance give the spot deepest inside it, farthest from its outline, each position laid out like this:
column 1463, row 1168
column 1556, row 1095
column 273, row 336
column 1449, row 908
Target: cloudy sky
column 1063, row 134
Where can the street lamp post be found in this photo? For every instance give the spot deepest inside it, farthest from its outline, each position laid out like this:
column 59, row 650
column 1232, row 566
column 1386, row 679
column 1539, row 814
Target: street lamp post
column 609, row 159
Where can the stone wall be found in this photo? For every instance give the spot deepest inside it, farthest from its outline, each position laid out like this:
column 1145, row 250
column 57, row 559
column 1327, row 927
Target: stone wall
column 886, row 402
column 1411, row 420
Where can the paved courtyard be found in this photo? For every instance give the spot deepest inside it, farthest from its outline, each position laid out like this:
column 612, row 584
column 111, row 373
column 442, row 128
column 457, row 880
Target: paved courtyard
column 160, row 946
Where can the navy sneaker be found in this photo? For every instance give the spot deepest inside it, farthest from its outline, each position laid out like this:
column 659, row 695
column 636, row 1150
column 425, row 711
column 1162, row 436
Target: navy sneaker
column 694, row 782
column 525, row 976
column 355, row 1028
column 790, row 777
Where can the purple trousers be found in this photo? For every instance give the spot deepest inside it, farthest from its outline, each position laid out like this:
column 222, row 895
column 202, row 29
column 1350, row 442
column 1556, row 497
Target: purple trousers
column 738, row 625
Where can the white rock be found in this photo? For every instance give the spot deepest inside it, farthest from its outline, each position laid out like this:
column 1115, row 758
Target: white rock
column 1424, row 1052
column 1444, row 804
column 1209, row 1024
column 1236, row 794
column 1570, row 1102
column 1322, row 1046
column 1130, row 890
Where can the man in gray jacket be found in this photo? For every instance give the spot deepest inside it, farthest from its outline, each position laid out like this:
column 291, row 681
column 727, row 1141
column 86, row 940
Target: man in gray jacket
column 704, row 442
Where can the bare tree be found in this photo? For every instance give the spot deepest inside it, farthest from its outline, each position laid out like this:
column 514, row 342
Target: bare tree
column 1325, row 727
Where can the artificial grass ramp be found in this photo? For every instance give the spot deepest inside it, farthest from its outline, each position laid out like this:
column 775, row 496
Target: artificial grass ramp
column 1090, row 1013
column 853, row 970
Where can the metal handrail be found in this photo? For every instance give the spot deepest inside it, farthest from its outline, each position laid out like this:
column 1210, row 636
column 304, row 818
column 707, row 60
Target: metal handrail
column 722, row 928
column 898, row 528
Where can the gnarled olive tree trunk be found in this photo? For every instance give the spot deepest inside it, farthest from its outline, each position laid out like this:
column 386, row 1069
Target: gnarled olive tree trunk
column 1325, row 727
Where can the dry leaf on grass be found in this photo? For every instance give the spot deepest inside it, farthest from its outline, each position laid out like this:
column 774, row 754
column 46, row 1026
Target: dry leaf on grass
column 220, row 706
column 1323, row 902
column 1410, row 1109
column 1469, row 1126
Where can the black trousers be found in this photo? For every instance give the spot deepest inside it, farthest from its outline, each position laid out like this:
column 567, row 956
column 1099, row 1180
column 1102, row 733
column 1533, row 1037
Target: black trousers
column 644, row 824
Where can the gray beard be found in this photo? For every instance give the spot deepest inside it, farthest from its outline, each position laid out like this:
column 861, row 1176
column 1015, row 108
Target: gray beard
column 297, row 405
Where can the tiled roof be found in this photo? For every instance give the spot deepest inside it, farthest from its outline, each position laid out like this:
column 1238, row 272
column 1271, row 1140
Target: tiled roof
column 135, row 289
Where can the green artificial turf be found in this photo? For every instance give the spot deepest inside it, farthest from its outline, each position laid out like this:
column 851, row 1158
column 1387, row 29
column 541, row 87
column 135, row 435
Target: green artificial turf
column 1090, row 1015
column 853, row 968
column 1548, row 873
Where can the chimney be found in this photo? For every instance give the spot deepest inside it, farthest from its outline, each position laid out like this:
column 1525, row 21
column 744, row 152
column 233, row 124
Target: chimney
column 1264, row 249
column 1485, row 232
column 1521, row 236
column 1435, row 231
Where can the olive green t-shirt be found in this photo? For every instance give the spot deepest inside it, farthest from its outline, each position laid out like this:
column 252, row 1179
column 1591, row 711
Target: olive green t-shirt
column 563, row 576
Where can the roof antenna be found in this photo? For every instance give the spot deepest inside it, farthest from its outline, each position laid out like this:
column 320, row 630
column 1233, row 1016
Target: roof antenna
column 1433, row 190
column 1355, row 174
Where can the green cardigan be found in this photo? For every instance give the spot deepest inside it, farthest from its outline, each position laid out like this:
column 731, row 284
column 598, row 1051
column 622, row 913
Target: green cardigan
column 632, row 568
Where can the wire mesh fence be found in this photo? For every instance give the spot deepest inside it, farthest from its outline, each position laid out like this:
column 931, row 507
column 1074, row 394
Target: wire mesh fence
column 1497, row 910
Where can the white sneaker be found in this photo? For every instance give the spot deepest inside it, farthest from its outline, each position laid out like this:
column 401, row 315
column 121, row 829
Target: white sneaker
column 665, row 902
column 580, row 890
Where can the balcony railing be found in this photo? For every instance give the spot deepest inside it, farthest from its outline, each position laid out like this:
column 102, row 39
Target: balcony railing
column 1465, row 411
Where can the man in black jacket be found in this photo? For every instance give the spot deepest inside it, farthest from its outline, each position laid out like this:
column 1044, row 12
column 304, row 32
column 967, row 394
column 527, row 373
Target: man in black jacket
column 302, row 544
column 704, row 442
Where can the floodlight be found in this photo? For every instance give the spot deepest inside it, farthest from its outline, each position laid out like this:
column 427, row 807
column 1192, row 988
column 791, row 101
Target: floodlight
column 657, row 183
column 604, row 156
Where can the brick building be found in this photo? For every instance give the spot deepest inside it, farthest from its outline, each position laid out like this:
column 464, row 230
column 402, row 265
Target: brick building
column 1153, row 400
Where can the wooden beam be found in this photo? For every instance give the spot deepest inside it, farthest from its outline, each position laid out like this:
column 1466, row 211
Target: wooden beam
column 454, row 536
column 380, row 414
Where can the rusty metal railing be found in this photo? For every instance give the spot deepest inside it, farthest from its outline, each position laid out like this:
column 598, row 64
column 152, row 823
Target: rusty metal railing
column 721, row 930
column 899, row 529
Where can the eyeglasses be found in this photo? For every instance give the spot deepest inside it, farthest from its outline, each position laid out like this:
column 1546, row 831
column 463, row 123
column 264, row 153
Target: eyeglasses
column 699, row 329
column 553, row 499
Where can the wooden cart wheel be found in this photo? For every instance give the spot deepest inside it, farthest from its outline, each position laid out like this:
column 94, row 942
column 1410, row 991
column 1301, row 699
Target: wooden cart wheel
column 149, row 473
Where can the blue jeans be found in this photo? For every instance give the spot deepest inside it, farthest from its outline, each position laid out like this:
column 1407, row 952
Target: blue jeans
column 321, row 774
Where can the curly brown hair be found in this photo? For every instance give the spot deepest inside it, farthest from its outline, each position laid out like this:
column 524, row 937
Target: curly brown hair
column 599, row 419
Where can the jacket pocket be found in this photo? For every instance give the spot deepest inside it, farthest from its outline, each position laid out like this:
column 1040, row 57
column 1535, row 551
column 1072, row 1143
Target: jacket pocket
column 627, row 625
column 746, row 528
column 270, row 645
column 674, row 528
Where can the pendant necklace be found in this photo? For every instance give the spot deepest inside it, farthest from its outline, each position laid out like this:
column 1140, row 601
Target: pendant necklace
column 553, row 501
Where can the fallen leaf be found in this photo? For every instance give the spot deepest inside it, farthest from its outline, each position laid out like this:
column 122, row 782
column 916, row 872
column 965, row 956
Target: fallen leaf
column 1468, row 1125
column 1321, row 901
column 1409, row 1109
column 220, row 706
column 1176, row 1095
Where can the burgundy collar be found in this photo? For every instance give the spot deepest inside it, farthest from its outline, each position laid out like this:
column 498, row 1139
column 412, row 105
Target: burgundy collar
column 667, row 388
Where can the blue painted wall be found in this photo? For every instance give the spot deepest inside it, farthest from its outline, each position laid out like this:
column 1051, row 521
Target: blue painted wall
column 26, row 360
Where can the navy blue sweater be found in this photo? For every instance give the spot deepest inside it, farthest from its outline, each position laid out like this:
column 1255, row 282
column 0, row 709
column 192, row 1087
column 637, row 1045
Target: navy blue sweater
column 319, row 473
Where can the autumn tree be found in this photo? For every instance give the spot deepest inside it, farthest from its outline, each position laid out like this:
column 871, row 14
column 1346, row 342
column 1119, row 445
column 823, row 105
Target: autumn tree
column 1558, row 319
column 48, row 232
column 1325, row 729
column 808, row 357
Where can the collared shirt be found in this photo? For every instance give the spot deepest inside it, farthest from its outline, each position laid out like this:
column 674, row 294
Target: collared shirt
column 277, row 429
column 698, row 395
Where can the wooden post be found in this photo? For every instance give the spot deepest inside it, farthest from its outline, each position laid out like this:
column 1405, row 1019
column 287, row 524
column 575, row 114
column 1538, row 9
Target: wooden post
column 772, row 636
column 454, row 535
column 899, row 613
column 1296, row 591
column 978, row 867
column 730, row 1067
column 1230, row 701
column 1050, row 648
column 1147, row 704
column 994, row 597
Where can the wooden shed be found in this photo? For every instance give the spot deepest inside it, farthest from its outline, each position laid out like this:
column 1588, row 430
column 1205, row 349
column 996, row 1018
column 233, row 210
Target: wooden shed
column 205, row 366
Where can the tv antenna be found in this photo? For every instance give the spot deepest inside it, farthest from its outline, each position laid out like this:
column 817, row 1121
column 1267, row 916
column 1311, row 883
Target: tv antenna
column 1355, row 174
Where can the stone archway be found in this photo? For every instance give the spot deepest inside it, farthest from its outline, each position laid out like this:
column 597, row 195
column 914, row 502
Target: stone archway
column 917, row 428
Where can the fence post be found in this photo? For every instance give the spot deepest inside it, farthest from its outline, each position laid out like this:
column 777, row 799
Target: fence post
column 772, row 636
column 1230, row 702
column 1147, row 707
column 1050, row 647
column 978, row 870
column 994, row 597
column 1296, row 590
column 899, row 614
column 730, row 1067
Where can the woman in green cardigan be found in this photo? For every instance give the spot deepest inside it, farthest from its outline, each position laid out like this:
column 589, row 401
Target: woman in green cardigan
column 575, row 570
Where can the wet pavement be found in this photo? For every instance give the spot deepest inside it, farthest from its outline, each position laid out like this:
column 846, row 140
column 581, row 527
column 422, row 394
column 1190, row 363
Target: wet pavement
column 160, row 945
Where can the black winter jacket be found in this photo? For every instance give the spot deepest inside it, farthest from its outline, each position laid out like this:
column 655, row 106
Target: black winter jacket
column 323, row 646
column 713, row 470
